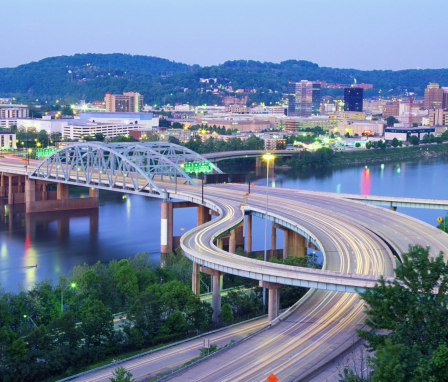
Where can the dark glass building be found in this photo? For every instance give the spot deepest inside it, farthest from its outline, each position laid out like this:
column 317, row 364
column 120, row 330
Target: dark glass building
column 353, row 99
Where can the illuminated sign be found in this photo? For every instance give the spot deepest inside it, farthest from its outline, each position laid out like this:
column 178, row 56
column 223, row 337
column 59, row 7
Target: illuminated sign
column 44, row 152
column 197, row 167
column 367, row 132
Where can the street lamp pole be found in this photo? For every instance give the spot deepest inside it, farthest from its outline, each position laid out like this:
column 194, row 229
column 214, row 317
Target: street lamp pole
column 72, row 285
column 267, row 157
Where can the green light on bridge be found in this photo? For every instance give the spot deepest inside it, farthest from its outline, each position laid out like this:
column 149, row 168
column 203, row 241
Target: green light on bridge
column 197, row 167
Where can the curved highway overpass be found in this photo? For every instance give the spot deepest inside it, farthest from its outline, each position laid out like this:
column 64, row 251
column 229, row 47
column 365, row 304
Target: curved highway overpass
column 359, row 243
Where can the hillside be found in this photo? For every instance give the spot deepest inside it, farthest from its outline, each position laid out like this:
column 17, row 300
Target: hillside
column 90, row 76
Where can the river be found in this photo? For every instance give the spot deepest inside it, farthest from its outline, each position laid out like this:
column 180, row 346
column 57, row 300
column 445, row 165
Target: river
column 124, row 226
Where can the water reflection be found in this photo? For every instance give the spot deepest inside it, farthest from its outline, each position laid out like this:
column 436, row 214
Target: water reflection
column 365, row 181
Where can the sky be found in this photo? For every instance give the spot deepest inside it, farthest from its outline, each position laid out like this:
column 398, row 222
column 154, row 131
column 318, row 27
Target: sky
column 361, row 34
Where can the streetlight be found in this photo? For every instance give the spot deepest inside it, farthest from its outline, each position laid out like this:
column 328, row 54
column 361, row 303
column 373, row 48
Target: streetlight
column 29, row 317
column 71, row 285
column 267, row 157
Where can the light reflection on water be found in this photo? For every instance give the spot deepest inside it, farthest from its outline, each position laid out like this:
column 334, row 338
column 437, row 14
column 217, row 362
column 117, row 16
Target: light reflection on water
column 123, row 227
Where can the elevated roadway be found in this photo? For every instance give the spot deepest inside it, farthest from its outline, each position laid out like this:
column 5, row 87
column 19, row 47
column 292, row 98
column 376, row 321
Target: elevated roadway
column 360, row 243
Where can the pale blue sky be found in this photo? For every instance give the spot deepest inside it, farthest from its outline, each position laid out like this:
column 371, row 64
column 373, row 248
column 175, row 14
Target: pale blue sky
column 363, row 34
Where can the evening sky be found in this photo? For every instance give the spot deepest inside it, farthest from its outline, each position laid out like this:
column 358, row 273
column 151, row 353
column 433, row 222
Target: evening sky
column 362, row 34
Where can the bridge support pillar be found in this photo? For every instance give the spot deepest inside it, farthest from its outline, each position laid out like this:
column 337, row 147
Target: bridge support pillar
column 62, row 191
column 249, row 234
column 274, row 299
column 296, row 244
column 232, row 241
column 196, row 279
column 285, row 244
column 273, row 251
column 10, row 190
column 203, row 215
column 2, row 185
column 216, row 296
column 94, row 192
column 30, row 191
column 166, row 228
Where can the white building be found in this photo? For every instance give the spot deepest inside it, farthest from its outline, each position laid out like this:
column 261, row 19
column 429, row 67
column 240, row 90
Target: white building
column 46, row 123
column 79, row 129
column 143, row 120
column 13, row 111
column 7, row 140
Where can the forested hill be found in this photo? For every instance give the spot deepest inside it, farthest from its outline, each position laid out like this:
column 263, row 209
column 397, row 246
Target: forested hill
column 90, row 76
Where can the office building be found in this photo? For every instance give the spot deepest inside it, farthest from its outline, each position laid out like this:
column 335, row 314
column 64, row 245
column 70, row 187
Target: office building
column 433, row 96
column 7, row 140
column 303, row 98
column 353, row 99
column 145, row 120
column 391, row 108
column 129, row 102
column 13, row 111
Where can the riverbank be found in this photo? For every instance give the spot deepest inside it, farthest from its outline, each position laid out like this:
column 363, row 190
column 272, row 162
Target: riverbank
column 328, row 158
column 407, row 153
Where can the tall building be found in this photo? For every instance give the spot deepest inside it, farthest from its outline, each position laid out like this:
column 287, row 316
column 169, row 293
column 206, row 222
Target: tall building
column 303, row 98
column 353, row 99
column 433, row 96
column 129, row 102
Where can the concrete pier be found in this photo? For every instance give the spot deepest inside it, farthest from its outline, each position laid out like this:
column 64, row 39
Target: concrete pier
column 273, row 298
column 166, row 227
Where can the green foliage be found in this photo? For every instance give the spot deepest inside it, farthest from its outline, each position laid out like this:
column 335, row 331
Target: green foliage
column 226, row 313
column 90, row 76
column 155, row 307
column 413, row 140
column 406, row 320
column 357, row 144
column 120, row 374
column 395, row 142
column 391, row 120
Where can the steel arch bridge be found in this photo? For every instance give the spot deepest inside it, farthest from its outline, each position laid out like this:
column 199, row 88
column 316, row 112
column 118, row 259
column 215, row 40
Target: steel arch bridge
column 124, row 167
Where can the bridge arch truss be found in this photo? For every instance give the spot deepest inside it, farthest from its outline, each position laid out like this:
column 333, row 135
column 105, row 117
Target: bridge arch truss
column 124, row 167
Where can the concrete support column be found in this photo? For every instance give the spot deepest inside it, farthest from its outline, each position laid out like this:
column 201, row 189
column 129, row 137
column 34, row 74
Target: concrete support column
column 2, row 185
column 63, row 191
column 274, row 298
column 93, row 192
column 10, row 190
column 19, row 183
column 296, row 244
column 249, row 234
column 196, row 279
column 44, row 191
column 219, row 244
column 216, row 296
column 203, row 215
column 285, row 244
column 232, row 241
column 166, row 227
column 273, row 241
column 30, row 192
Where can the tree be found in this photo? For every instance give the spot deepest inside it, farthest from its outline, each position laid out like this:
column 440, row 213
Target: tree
column 67, row 110
column 368, row 145
column 394, row 142
column 413, row 140
column 174, row 140
column 391, row 120
column 357, row 144
column 120, row 374
column 406, row 320
column 226, row 313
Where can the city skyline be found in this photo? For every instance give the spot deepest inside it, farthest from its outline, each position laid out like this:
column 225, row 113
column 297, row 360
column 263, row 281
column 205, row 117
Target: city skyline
column 374, row 35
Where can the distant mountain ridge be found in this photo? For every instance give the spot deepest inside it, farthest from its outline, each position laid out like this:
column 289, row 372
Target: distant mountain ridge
column 90, row 76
